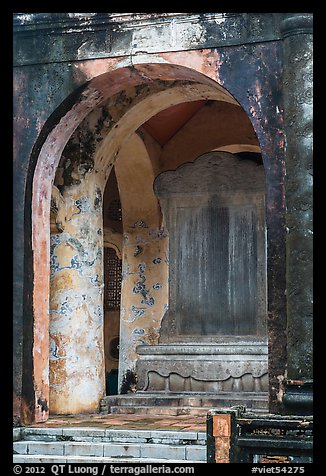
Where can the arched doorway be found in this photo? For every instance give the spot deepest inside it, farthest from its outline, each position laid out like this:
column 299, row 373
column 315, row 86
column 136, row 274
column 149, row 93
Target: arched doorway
column 112, row 272
column 99, row 140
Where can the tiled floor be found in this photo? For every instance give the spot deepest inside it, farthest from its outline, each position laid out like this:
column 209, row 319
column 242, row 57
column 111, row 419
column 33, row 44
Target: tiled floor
column 182, row 422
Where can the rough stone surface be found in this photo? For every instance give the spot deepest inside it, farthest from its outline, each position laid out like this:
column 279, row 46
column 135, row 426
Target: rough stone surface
column 199, row 368
column 138, row 445
column 298, row 104
column 110, row 35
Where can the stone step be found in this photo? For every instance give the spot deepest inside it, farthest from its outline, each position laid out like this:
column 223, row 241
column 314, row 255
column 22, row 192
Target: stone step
column 206, row 399
column 107, row 435
column 148, row 451
column 31, row 459
column 153, row 410
column 181, row 404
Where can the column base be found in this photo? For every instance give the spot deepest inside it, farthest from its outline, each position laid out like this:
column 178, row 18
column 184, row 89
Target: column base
column 298, row 398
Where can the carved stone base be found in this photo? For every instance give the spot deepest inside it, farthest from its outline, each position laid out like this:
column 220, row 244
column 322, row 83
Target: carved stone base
column 209, row 368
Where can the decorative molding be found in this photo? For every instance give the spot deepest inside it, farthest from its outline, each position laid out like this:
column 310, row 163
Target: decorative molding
column 67, row 37
column 212, row 172
column 227, row 346
column 296, row 24
column 298, row 129
column 176, row 382
column 79, row 21
column 232, row 366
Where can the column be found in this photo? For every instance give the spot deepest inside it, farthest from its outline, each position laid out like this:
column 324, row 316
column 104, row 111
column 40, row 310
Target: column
column 77, row 367
column 296, row 31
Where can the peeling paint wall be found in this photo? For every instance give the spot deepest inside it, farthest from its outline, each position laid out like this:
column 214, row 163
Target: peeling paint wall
column 76, row 303
column 77, row 275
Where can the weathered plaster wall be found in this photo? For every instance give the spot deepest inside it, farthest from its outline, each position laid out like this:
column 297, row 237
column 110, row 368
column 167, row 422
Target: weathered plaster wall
column 76, row 303
column 77, row 254
column 254, row 75
column 40, row 102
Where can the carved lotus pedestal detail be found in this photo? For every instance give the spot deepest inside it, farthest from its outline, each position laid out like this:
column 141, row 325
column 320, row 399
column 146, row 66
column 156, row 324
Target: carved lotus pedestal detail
column 209, row 368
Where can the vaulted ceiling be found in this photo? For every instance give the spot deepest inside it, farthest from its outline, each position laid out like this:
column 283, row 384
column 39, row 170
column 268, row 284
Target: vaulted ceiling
column 168, row 122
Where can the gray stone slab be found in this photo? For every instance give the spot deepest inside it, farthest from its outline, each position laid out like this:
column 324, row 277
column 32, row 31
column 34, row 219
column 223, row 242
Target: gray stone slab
column 20, row 447
column 42, row 437
column 97, row 460
column 86, row 448
column 201, row 435
column 117, row 450
column 81, row 432
column 116, row 433
column 80, row 439
column 191, row 402
column 45, row 448
column 87, row 459
column 117, row 439
column 125, row 459
column 167, row 452
column 168, row 441
column 16, row 434
column 174, row 435
column 196, row 453
column 38, row 459
column 26, row 432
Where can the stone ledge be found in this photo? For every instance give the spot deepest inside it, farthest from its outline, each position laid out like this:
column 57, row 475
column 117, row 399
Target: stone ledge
column 89, row 459
column 116, row 450
column 229, row 348
column 63, row 37
column 50, row 21
column 113, row 435
column 17, row 434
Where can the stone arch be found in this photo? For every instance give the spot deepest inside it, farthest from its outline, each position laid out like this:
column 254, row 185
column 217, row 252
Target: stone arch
column 150, row 105
column 46, row 156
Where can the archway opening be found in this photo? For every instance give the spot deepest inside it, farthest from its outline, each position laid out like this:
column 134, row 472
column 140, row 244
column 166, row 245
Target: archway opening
column 98, row 144
column 112, row 264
